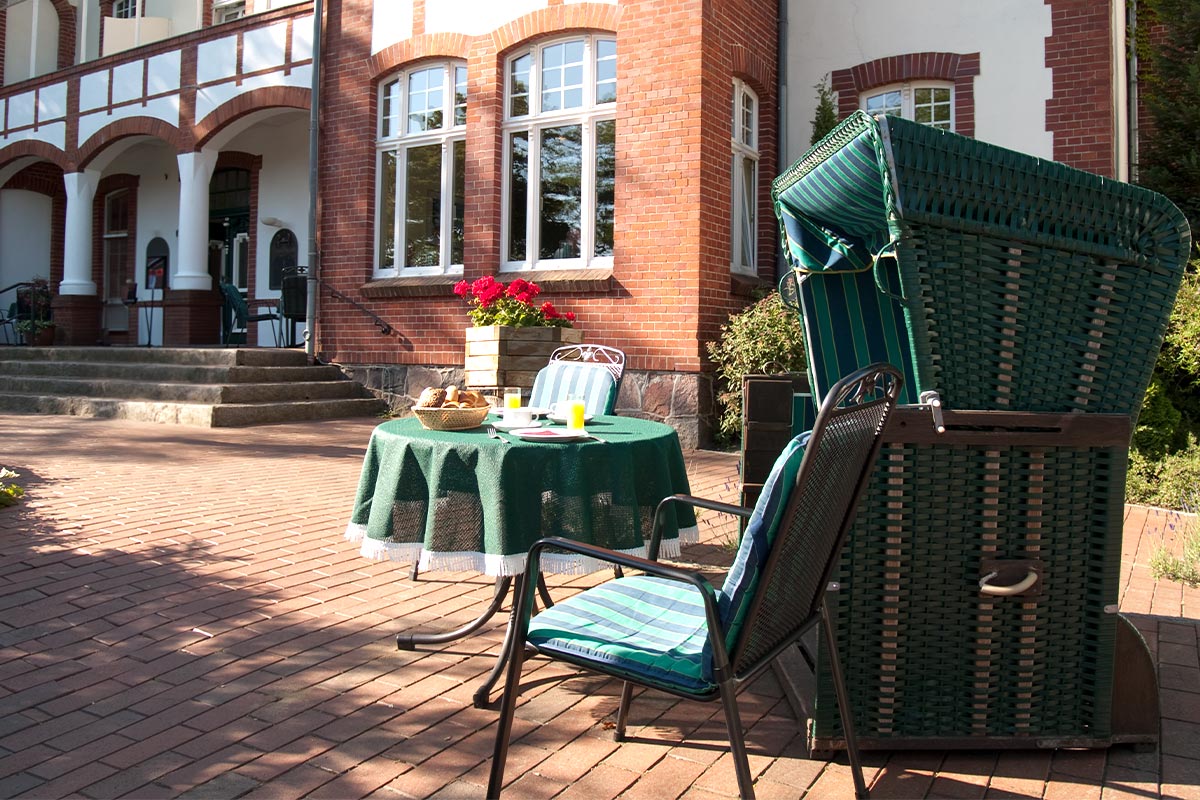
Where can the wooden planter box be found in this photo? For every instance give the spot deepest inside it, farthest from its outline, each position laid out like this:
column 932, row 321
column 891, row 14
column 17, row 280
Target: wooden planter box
column 497, row 355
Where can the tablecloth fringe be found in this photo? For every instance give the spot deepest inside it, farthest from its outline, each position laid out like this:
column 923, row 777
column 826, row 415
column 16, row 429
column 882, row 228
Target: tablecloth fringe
column 497, row 565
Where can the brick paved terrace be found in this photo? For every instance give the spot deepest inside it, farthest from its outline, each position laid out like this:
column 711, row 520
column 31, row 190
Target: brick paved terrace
column 181, row 617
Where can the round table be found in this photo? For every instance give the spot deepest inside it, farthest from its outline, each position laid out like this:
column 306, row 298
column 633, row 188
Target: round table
column 462, row 500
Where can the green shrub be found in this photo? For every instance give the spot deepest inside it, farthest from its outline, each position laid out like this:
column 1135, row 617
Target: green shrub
column 9, row 492
column 1165, row 481
column 764, row 337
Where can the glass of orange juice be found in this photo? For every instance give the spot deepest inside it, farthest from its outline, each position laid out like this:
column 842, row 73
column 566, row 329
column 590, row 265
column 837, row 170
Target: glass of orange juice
column 512, row 398
column 575, row 414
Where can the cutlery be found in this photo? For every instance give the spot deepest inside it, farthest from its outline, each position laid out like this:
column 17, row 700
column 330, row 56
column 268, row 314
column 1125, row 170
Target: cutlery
column 494, row 434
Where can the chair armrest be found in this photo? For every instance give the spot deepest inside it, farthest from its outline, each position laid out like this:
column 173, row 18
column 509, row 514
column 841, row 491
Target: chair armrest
column 698, row 502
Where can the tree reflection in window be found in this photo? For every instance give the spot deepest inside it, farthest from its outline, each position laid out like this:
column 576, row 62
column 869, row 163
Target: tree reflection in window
column 421, row 170
column 561, row 153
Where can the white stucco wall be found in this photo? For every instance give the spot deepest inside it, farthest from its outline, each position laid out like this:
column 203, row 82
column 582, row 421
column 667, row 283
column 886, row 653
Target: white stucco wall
column 282, row 186
column 25, row 232
column 1010, row 91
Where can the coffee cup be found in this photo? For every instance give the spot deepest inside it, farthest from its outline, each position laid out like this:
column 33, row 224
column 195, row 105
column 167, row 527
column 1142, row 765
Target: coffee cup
column 518, row 416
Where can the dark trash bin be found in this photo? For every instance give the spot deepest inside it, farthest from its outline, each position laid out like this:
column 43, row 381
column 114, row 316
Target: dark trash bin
column 293, row 299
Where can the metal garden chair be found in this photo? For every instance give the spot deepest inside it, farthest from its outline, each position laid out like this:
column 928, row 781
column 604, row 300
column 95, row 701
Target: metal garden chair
column 590, row 371
column 668, row 629
column 237, row 314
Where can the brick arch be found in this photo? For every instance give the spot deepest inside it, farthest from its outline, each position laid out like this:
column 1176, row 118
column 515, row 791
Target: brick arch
column 957, row 68
column 41, row 150
column 42, row 178
column 555, row 19
column 753, row 68
column 124, row 128
column 432, row 45
column 248, row 103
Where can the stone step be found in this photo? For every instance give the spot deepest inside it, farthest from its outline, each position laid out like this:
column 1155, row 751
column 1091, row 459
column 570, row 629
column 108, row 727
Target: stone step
column 166, row 373
column 275, row 391
column 201, row 414
column 205, row 386
column 199, row 356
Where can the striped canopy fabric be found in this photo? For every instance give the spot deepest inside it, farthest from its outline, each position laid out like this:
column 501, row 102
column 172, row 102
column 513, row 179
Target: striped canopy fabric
column 559, row 381
column 998, row 279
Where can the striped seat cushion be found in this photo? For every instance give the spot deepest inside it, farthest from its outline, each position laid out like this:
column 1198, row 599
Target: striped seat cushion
column 562, row 380
column 733, row 601
column 645, row 628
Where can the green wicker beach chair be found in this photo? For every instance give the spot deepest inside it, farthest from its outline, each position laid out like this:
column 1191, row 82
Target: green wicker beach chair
column 1026, row 302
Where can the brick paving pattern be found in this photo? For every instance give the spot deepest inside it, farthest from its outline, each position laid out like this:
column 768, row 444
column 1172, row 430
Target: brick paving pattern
column 180, row 617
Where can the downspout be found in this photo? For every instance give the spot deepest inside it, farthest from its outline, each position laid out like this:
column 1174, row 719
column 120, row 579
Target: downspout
column 1132, row 80
column 314, row 126
column 781, row 112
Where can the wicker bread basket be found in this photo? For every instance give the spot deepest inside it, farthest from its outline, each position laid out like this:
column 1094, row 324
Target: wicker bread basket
column 451, row 419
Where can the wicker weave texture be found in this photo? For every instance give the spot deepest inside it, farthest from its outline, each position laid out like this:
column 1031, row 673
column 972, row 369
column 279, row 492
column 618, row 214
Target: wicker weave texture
column 926, row 654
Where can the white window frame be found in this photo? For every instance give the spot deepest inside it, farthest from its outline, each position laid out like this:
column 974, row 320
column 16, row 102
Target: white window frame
column 908, row 93
column 228, row 10
column 744, row 200
column 400, row 141
column 126, row 9
column 533, row 123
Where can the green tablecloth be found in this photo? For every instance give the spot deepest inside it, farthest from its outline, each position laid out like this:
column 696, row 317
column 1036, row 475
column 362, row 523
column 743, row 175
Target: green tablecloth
column 460, row 500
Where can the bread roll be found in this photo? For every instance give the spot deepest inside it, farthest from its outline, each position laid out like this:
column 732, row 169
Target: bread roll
column 431, row 397
column 451, row 394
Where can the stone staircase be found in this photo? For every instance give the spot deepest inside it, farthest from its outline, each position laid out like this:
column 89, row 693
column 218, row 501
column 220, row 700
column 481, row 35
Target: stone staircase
column 208, row 386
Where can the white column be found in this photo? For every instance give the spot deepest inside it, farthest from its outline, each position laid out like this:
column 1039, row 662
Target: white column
column 77, row 238
column 195, row 171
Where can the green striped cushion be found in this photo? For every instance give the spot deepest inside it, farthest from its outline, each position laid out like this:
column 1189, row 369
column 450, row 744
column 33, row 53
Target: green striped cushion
column 562, row 380
column 645, row 628
column 733, row 601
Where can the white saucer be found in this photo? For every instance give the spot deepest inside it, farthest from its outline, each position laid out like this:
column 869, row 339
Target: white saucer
column 510, row 427
column 563, row 420
column 549, row 435
column 537, row 412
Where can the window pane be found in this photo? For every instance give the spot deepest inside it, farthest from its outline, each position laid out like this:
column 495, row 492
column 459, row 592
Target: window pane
column 606, row 181
column 423, row 206
column 518, row 195
column 561, row 191
column 749, row 178
column 116, row 218
column 390, row 113
column 518, row 105
column 749, row 120
column 562, row 76
column 387, row 210
column 460, row 95
column 606, row 71
column 885, row 103
column 458, row 217
column 284, row 254
column 425, row 100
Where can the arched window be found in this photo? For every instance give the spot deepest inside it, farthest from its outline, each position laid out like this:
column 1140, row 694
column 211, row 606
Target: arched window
column 284, row 255
column 929, row 103
column 158, row 254
column 422, row 147
column 560, row 136
column 745, row 179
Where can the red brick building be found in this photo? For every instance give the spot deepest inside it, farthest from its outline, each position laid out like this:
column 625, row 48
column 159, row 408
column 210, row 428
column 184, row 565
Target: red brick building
column 618, row 153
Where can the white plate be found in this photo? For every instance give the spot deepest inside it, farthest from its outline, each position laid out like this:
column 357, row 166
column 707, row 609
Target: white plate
column 510, row 427
column 549, row 435
column 537, row 412
column 563, row 420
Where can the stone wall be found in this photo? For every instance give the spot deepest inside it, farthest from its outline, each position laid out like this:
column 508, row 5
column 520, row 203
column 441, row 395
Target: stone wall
column 682, row 400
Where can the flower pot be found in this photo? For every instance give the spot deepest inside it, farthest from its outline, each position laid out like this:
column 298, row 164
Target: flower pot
column 43, row 337
column 498, row 355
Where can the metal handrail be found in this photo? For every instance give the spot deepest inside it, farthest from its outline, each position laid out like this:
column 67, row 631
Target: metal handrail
column 385, row 328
